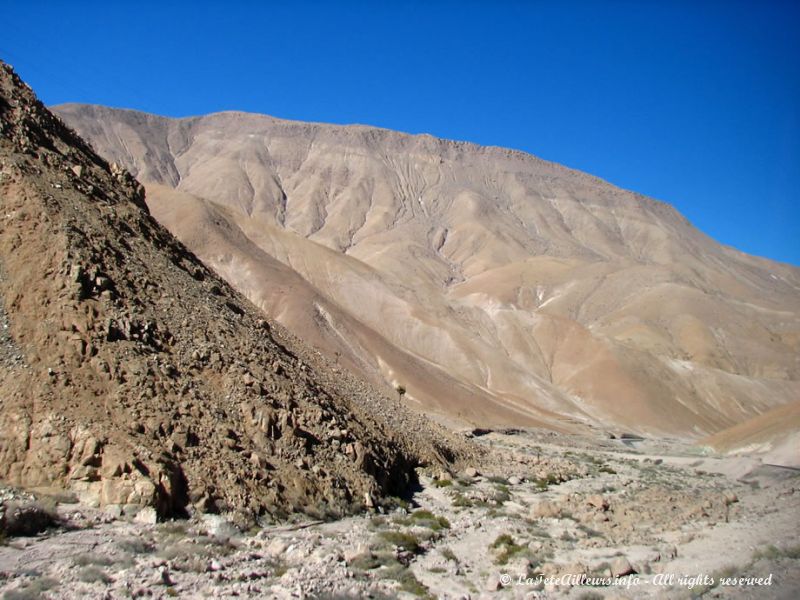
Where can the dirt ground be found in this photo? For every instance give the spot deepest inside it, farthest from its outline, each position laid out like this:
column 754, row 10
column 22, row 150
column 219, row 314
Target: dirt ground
column 546, row 516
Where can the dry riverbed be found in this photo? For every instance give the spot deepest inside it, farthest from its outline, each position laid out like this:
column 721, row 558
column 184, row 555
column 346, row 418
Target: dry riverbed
column 549, row 516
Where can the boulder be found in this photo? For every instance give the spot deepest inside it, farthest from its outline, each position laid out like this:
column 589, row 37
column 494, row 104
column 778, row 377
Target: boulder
column 621, row 567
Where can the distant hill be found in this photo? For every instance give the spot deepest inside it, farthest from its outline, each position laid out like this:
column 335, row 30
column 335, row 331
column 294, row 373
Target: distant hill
column 495, row 287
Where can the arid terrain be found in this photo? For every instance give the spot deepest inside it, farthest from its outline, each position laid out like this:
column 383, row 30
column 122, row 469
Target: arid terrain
column 495, row 287
column 640, row 519
column 133, row 376
column 241, row 409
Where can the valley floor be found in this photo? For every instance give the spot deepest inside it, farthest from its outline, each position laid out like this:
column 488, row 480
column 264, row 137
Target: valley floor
column 547, row 516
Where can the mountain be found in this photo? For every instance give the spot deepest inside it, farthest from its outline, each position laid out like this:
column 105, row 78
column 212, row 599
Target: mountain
column 133, row 375
column 494, row 287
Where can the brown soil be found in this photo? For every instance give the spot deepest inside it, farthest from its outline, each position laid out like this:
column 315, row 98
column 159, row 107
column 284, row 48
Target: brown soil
column 134, row 375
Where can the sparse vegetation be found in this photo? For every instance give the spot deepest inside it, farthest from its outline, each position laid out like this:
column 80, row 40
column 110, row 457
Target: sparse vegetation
column 448, row 554
column 542, row 483
column 501, row 495
column 90, row 559
column 407, row 541
column 368, row 561
column 376, row 523
column 772, row 552
column 461, row 501
column 32, row 590
column 506, row 548
column 135, row 545
column 93, row 574
column 427, row 519
column 407, row 580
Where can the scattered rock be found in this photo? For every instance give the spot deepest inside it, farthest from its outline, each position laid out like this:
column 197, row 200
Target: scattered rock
column 620, row 567
column 146, row 516
column 546, row 510
column 597, row 501
column 493, row 583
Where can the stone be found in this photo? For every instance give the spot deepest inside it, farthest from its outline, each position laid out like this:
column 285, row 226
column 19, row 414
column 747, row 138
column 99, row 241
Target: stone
column 669, row 552
column 493, row 583
column 621, row 567
column 546, row 510
column 219, row 527
column 597, row 501
column 514, row 480
column 471, row 472
column 146, row 516
column 350, row 553
column 276, row 547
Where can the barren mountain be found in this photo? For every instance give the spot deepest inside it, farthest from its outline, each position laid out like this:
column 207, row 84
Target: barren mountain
column 493, row 286
column 133, row 375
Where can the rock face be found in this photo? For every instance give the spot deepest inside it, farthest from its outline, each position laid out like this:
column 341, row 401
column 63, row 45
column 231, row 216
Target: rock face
column 134, row 375
column 489, row 284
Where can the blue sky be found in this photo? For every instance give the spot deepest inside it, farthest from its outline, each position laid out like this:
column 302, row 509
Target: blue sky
column 694, row 103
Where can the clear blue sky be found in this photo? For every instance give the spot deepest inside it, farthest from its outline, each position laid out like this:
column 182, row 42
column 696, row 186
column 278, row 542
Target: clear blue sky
column 695, row 103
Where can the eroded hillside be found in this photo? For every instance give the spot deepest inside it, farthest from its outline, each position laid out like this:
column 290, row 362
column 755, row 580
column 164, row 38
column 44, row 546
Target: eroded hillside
column 134, row 375
column 493, row 286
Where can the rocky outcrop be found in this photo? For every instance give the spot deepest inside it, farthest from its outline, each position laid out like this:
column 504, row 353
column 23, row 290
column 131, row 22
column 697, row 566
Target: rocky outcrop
column 133, row 375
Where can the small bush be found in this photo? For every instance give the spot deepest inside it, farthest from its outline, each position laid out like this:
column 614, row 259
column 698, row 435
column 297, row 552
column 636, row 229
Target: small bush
column 501, row 495
column 377, row 523
column 89, row 559
column 400, row 503
column 428, row 519
column 773, row 553
column 497, row 479
column 407, row 580
column 502, row 540
column 92, row 574
column 365, row 562
column 507, row 548
column 407, row 541
column 440, row 483
column 461, row 501
column 135, row 545
column 448, row 554
column 542, row 483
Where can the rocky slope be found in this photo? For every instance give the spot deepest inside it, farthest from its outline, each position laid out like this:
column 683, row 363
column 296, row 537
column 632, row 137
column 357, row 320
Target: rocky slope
column 493, row 286
column 555, row 517
column 133, row 375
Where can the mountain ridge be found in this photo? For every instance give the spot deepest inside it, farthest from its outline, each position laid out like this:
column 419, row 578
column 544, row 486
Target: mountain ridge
column 499, row 267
